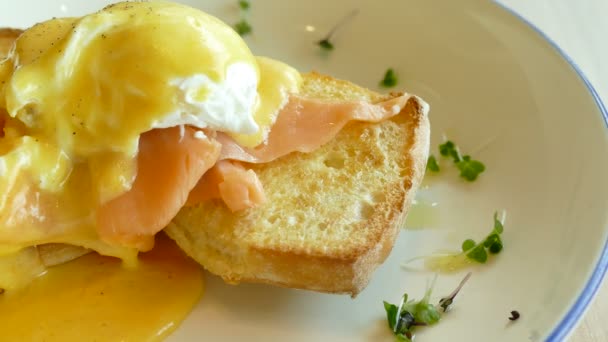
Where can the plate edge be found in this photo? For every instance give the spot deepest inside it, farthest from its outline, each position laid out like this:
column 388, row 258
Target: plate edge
column 572, row 317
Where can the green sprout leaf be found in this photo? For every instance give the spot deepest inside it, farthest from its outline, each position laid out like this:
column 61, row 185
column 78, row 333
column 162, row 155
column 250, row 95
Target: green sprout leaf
column 426, row 313
column 492, row 242
column 498, row 227
column 478, row 254
column 391, row 314
column 404, row 318
column 469, row 168
column 422, row 311
column 446, row 148
column 432, row 164
column 243, row 28
column 326, row 44
column 449, row 149
column 244, row 5
column 468, row 244
column 390, row 79
column 496, row 247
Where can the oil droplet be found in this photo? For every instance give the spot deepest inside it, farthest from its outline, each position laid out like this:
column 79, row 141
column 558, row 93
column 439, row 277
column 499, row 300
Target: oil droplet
column 424, row 212
column 438, row 262
column 447, row 263
column 422, row 215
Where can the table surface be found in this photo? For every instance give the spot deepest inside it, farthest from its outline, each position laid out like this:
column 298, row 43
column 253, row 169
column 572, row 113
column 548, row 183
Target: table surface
column 580, row 29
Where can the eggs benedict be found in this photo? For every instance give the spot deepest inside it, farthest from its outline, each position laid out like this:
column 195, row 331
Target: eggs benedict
column 112, row 123
column 108, row 121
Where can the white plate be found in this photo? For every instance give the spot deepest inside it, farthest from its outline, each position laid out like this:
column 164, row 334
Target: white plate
column 501, row 91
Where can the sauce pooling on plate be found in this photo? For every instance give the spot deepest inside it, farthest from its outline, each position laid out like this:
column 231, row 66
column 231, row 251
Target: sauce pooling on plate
column 97, row 296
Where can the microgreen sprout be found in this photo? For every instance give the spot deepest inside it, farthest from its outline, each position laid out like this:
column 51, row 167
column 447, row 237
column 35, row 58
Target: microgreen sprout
column 469, row 168
column 244, row 5
column 470, row 251
column 432, row 164
column 390, row 79
column 243, row 27
column 445, row 302
column 326, row 43
column 409, row 314
column 492, row 243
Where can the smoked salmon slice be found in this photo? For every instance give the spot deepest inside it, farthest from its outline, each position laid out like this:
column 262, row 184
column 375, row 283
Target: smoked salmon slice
column 238, row 187
column 180, row 165
column 170, row 163
column 183, row 165
column 303, row 125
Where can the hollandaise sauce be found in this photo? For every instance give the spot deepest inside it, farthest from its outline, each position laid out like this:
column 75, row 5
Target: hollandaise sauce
column 97, row 298
column 80, row 98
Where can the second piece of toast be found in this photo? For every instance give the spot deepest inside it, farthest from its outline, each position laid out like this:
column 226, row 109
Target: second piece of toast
column 331, row 216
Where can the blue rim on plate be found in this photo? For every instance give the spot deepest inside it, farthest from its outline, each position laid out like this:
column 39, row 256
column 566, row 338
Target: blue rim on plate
column 573, row 315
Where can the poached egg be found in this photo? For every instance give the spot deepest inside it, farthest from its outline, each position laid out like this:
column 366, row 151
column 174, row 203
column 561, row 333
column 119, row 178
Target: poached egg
column 78, row 93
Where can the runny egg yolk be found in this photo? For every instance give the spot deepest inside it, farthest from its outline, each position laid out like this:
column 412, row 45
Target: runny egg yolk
column 95, row 298
column 78, row 93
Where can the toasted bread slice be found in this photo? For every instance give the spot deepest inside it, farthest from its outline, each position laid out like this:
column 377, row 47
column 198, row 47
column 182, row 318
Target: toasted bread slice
column 331, row 216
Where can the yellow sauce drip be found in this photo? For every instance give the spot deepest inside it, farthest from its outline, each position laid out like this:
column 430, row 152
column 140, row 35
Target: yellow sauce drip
column 96, row 298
